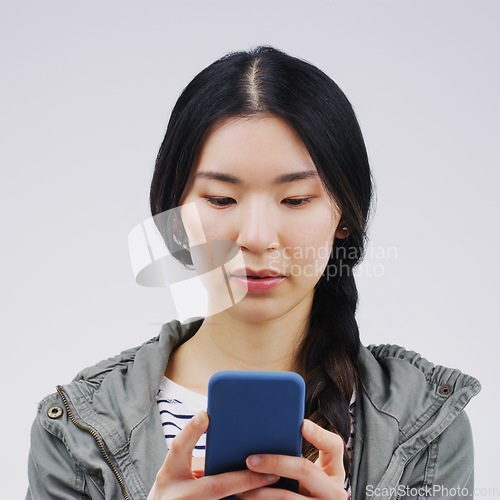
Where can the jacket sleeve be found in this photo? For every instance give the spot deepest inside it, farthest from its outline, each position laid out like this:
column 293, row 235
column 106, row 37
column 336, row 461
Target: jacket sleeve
column 446, row 470
column 454, row 470
column 52, row 473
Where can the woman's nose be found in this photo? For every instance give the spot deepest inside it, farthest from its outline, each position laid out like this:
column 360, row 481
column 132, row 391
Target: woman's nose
column 258, row 228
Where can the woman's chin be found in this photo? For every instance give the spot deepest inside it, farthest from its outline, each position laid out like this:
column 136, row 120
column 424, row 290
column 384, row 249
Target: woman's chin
column 249, row 310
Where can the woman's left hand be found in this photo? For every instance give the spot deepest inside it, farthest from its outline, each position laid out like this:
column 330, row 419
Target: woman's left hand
column 323, row 479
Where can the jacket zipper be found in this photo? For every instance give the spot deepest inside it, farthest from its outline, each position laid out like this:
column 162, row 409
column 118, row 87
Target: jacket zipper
column 99, row 441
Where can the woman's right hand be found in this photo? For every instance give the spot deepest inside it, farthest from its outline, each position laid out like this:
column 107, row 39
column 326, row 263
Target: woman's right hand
column 176, row 479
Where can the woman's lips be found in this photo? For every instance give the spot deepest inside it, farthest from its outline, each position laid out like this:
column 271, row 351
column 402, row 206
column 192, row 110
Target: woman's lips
column 258, row 284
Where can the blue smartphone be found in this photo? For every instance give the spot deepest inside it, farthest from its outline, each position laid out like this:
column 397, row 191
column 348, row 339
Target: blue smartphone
column 253, row 412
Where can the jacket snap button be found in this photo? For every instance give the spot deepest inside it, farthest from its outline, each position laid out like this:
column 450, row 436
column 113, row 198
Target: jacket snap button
column 444, row 390
column 54, row 412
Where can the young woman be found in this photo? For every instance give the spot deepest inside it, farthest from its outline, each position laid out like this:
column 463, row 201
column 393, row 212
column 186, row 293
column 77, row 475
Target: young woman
column 268, row 150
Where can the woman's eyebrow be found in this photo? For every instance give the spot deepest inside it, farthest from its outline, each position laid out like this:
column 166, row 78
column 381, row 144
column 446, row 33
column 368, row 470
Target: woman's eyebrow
column 231, row 179
column 295, row 176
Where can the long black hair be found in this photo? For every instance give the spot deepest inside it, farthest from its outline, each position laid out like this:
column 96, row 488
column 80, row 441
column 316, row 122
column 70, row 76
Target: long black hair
column 266, row 81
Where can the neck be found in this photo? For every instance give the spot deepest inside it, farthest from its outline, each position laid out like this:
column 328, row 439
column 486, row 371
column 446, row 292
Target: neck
column 225, row 341
column 264, row 345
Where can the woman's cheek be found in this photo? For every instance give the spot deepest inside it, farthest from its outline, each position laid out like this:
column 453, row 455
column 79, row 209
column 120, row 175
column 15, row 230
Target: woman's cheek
column 314, row 241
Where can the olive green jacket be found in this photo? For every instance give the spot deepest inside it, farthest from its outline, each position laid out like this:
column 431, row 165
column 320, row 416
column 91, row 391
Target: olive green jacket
column 101, row 435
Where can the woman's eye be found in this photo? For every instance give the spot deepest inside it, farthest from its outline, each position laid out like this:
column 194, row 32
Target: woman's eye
column 225, row 201
column 296, row 202
column 219, row 201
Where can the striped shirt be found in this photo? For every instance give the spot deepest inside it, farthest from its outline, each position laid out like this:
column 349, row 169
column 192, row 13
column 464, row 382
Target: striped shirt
column 177, row 405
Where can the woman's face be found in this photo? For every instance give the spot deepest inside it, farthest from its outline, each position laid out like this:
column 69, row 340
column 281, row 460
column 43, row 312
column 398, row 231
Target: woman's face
column 254, row 184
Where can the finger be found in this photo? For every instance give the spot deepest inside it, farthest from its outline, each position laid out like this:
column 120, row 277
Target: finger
column 230, row 483
column 198, row 466
column 330, row 446
column 309, row 475
column 177, row 465
column 269, row 494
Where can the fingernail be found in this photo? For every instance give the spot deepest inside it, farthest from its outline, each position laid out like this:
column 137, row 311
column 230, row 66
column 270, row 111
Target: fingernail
column 254, row 460
column 272, row 478
column 308, row 426
column 200, row 418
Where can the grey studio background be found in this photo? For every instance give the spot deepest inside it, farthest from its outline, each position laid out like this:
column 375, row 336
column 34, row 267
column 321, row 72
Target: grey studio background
column 86, row 89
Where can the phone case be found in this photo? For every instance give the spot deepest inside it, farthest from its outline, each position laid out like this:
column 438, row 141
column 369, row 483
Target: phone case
column 253, row 412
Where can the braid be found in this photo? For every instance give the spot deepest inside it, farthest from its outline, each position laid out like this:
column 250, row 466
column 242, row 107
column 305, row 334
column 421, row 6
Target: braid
column 328, row 358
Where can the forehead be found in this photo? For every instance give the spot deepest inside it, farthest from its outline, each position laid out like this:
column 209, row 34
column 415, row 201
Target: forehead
column 263, row 144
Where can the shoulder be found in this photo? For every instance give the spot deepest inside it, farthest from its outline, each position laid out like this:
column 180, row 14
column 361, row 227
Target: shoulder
column 385, row 362
column 402, row 382
column 51, row 412
column 137, row 363
column 133, row 373
column 54, row 424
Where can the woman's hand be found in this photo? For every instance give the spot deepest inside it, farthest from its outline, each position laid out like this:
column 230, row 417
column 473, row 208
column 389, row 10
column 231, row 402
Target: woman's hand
column 176, row 478
column 323, row 480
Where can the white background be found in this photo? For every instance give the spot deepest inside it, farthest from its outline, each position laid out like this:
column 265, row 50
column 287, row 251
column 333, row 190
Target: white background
column 86, row 89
